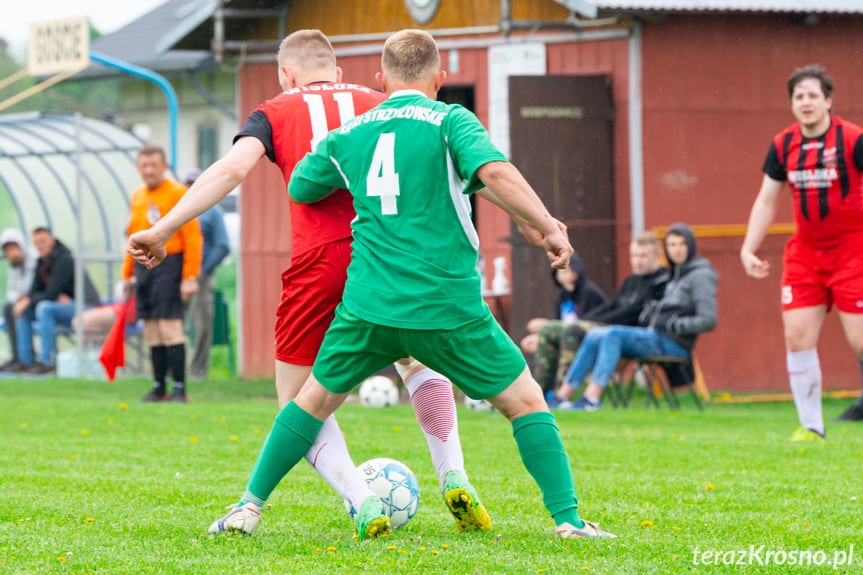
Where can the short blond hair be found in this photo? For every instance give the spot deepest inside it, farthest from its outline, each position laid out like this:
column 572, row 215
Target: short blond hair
column 309, row 50
column 410, row 55
column 648, row 239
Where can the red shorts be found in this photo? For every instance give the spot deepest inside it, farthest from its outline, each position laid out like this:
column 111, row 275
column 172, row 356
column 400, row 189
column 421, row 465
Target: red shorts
column 311, row 289
column 813, row 277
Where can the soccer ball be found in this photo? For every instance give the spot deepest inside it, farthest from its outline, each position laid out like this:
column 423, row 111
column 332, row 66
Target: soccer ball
column 479, row 405
column 379, row 391
column 396, row 485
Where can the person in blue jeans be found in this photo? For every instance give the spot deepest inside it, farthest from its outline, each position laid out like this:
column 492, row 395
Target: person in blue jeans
column 50, row 302
column 667, row 327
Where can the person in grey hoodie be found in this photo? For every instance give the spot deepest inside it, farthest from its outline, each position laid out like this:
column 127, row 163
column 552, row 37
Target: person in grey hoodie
column 22, row 265
column 667, row 327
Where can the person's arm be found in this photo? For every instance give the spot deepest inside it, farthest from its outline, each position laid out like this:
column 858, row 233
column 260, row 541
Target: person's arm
column 317, row 175
column 520, row 202
column 760, row 218
column 219, row 244
column 148, row 246
column 62, row 270
column 704, row 294
column 533, row 236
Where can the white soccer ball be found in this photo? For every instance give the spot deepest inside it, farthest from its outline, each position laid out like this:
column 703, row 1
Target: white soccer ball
column 396, row 485
column 379, row 391
column 479, row 405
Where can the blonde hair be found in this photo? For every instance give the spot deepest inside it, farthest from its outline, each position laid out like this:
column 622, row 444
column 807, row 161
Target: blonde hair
column 410, row 55
column 648, row 239
column 308, row 50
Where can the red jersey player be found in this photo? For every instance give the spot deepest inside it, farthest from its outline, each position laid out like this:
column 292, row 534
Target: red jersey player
column 284, row 129
column 821, row 158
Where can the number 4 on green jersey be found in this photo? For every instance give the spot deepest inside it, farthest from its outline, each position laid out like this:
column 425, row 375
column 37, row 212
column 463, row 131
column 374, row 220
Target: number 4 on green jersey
column 382, row 180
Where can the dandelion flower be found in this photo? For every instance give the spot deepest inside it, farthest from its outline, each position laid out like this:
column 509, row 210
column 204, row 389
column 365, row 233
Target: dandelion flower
column 646, row 523
column 85, row 432
column 331, row 548
column 708, row 485
column 193, row 439
column 123, row 406
column 233, row 438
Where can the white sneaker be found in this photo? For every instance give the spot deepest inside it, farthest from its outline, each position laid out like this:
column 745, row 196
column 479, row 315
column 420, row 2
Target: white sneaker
column 241, row 519
column 590, row 529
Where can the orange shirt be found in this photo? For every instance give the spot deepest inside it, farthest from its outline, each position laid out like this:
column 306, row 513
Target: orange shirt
column 150, row 205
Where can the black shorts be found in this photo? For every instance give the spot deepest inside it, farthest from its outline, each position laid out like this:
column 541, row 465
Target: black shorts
column 158, row 289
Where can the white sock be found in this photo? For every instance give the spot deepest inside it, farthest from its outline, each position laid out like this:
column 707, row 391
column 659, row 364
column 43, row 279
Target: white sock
column 329, row 456
column 804, row 373
column 431, row 396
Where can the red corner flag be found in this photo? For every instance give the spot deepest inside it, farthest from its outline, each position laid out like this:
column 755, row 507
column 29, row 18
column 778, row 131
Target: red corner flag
column 113, row 353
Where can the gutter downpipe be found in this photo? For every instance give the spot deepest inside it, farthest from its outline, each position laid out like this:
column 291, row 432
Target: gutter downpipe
column 636, row 144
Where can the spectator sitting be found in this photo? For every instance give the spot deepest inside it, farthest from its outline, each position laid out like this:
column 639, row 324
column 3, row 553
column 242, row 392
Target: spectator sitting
column 668, row 326
column 202, row 305
column 577, row 295
column 558, row 343
column 22, row 265
column 50, row 301
column 99, row 320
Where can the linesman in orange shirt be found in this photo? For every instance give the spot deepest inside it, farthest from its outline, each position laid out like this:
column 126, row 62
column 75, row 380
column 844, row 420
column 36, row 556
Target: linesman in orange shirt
column 161, row 291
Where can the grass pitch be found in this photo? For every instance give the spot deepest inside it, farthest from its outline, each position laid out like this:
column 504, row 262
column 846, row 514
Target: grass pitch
column 94, row 482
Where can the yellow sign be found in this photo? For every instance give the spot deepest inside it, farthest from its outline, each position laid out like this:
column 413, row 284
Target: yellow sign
column 59, row 46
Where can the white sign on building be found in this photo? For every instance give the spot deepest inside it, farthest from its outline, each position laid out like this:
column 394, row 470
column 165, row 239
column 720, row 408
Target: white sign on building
column 59, row 46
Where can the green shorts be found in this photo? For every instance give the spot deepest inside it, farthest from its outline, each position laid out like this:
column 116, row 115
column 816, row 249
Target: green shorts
column 479, row 357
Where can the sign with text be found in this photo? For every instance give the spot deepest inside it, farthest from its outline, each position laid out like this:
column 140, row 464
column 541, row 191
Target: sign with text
column 59, row 46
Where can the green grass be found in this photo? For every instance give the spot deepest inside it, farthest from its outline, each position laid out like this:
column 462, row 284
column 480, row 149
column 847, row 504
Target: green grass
column 136, row 492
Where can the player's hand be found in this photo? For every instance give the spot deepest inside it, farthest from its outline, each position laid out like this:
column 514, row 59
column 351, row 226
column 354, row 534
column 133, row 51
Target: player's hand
column 534, row 236
column 146, row 248
column 754, row 266
column 558, row 249
column 188, row 288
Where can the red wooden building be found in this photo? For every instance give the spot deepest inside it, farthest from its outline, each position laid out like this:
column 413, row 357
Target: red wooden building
column 623, row 115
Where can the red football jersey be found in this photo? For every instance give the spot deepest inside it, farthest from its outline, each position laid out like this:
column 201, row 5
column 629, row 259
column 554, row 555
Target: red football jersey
column 291, row 125
column 826, row 178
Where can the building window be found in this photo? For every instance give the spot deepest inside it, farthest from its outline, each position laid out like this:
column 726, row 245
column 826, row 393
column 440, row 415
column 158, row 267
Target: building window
column 208, row 145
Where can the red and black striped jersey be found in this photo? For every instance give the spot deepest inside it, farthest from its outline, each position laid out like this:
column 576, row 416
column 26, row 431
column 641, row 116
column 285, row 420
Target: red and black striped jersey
column 290, row 126
column 826, row 178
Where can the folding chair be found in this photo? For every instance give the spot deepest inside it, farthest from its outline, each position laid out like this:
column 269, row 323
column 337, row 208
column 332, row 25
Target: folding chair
column 657, row 382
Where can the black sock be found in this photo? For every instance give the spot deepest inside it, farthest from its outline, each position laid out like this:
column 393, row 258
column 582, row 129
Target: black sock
column 177, row 361
column 159, row 357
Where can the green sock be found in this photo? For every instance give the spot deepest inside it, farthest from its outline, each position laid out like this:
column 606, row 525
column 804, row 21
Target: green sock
column 290, row 438
column 545, row 458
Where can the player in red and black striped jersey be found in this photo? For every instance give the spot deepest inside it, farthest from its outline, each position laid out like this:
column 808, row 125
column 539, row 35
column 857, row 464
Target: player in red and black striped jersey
column 284, row 129
column 821, row 158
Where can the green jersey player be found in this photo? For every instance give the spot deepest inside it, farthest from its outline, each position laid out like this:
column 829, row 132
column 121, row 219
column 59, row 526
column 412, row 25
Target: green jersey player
column 412, row 287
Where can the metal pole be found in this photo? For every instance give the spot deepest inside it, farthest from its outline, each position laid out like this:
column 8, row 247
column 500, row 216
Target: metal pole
column 636, row 151
column 79, row 251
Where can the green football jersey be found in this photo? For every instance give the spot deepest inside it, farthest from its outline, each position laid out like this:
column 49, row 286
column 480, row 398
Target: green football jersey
column 410, row 164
